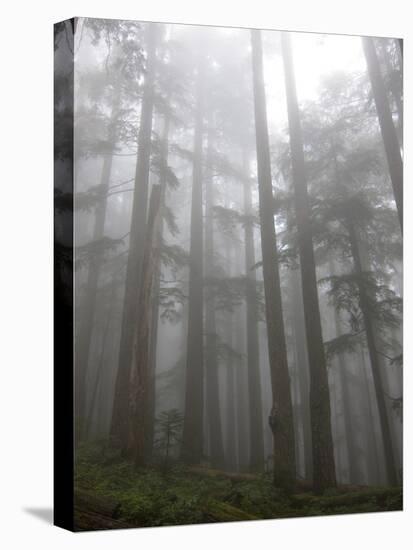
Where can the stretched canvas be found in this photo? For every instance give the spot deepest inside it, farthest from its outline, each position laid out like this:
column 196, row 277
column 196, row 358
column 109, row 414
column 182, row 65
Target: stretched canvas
column 228, row 274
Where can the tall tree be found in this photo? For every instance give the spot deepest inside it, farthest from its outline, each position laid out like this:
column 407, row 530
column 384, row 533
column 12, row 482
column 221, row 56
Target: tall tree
column 388, row 132
column 281, row 418
column 253, row 358
column 192, row 442
column 324, row 475
column 213, row 406
column 120, row 415
column 301, row 357
column 139, row 372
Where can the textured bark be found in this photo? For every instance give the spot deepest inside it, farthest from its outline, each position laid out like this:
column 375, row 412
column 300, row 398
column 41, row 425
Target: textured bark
column 322, row 441
column 194, row 390
column 390, row 462
column 213, row 406
column 395, row 94
column 100, row 367
column 150, row 417
column 284, row 448
column 241, row 383
column 120, row 414
column 231, row 458
column 350, row 432
column 253, row 358
column 371, row 443
column 139, row 373
column 388, row 132
column 302, row 368
column 400, row 41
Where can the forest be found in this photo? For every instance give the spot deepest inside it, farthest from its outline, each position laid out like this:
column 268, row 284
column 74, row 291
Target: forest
column 236, row 197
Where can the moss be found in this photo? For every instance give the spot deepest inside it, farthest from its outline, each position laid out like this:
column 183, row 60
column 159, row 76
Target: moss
column 111, row 492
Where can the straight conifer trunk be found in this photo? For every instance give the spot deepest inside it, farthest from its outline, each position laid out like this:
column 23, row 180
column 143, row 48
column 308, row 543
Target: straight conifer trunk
column 253, row 359
column 350, row 433
column 283, row 432
column 120, row 415
column 324, row 474
column 388, row 132
column 139, row 372
column 213, row 406
column 192, row 443
column 150, row 416
column 230, row 416
column 302, row 369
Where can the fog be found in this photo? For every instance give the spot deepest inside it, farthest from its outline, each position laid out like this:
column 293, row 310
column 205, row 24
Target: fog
column 238, row 249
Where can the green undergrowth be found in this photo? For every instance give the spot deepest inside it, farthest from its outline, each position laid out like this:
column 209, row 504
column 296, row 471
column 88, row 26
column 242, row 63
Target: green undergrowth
column 107, row 486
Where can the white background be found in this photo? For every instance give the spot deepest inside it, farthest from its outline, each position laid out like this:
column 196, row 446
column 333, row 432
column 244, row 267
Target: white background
column 26, row 232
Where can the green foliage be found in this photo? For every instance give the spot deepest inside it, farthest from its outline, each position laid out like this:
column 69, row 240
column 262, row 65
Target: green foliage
column 170, row 220
column 168, row 432
column 148, row 497
column 173, row 257
column 171, row 300
column 94, row 250
column 227, row 292
column 224, row 352
column 345, row 343
column 230, row 220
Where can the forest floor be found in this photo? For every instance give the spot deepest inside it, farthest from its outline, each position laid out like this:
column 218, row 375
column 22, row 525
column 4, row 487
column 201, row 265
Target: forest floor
column 110, row 493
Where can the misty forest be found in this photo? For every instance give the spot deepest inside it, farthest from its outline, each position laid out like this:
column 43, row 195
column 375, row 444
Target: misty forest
column 238, row 221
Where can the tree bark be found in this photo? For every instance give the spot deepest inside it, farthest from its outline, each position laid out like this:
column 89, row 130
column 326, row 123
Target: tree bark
column 192, row 443
column 371, row 442
column 388, row 132
column 253, row 359
column 302, row 369
column 395, row 94
column 139, row 372
column 213, row 406
column 120, row 415
column 100, row 367
column 350, row 432
column 150, row 418
column 283, row 435
column 323, row 454
column 230, row 415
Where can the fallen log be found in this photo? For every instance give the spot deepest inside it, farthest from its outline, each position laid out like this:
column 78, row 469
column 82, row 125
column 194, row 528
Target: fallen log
column 210, row 472
column 96, row 512
column 222, row 511
column 380, row 495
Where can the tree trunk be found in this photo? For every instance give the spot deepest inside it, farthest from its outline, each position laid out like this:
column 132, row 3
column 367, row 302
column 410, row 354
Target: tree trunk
column 371, row 442
column 241, row 397
column 253, row 359
column 150, row 417
column 120, row 415
column 213, row 406
column 388, row 132
column 139, row 372
column 192, row 443
column 390, row 461
column 350, row 433
column 322, row 441
column 100, row 367
column 395, row 94
column 283, row 434
column 230, row 415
